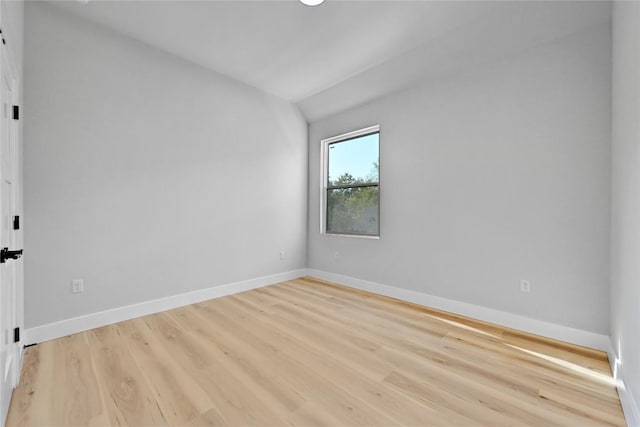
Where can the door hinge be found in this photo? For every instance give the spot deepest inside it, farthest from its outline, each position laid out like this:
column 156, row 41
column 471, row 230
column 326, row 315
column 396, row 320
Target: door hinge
column 16, row 222
column 16, row 112
column 16, row 335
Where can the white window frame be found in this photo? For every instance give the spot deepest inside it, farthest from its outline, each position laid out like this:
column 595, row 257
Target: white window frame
column 324, row 177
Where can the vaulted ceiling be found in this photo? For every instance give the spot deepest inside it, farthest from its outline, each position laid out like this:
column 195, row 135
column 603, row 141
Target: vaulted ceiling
column 343, row 53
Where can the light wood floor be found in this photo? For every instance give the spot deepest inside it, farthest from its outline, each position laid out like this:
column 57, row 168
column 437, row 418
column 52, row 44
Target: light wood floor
column 306, row 352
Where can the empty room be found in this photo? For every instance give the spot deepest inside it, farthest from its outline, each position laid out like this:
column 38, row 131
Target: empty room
column 319, row 213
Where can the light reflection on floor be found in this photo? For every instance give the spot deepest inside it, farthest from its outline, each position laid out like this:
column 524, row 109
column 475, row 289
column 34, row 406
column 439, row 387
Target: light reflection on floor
column 586, row 372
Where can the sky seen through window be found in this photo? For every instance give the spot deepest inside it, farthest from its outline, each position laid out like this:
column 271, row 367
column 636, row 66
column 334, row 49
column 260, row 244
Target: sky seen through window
column 357, row 157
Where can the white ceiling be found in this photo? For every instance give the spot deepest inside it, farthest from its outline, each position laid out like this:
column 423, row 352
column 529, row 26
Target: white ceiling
column 342, row 53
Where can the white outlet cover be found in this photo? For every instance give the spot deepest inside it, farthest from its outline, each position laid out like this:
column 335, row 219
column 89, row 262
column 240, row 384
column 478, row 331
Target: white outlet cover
column 525, row 286
column 77, row 285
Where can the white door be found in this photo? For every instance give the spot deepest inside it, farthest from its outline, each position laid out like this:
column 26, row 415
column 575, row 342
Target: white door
column 9, row 349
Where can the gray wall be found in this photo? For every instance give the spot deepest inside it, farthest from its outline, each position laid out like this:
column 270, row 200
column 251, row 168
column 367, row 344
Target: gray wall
column 487, row 177
column 625, row 233
column 147, row 176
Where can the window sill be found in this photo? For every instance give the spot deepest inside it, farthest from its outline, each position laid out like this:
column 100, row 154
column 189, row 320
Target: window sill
column 358, row 236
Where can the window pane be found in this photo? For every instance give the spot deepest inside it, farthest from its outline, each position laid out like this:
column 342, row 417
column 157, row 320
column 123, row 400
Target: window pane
column 353, row 211
column 354, row 160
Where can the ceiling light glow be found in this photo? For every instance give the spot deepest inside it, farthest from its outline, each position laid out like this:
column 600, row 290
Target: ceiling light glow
column 312, row 2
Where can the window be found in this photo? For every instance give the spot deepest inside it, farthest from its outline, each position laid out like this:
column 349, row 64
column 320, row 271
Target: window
column 351, row 181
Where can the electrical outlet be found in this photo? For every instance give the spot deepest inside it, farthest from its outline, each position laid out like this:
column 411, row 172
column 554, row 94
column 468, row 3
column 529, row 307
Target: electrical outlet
column 281, row 255
column 525, row 286
column 77, row 285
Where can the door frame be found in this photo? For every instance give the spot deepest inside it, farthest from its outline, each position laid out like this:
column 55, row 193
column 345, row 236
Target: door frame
column 14, row 130
column 8, row 63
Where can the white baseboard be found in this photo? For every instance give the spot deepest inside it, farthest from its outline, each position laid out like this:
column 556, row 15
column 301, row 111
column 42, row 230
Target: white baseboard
column 503, row 318
column 74, row 325
column 94, row 320
column 629, row 404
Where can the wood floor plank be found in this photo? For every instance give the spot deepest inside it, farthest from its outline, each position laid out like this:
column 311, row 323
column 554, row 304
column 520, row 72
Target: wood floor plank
column 268, row 391
column 178, row 394
column 352, row 379
column 294, row 355
column 74, row 376
column 311, row 353
column 127, row 398
column 32, row 402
